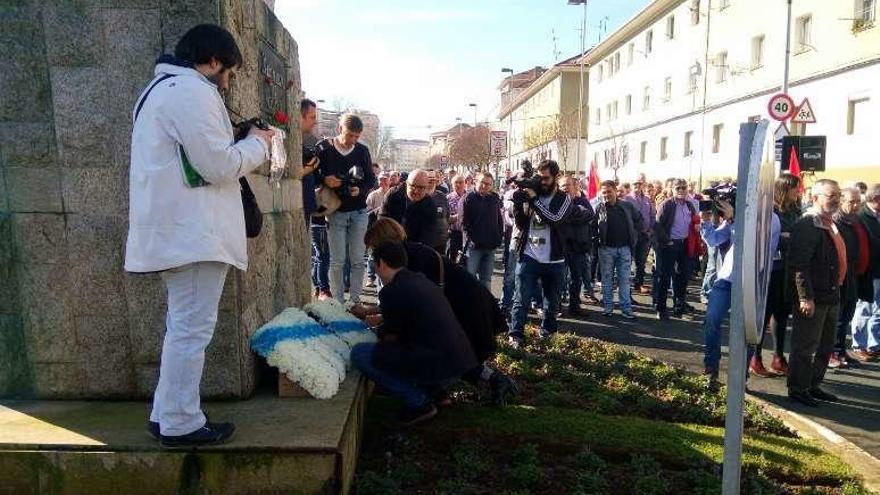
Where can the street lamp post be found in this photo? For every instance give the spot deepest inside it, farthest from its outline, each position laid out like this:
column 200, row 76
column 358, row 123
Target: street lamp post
column 509, row 121
column 581, row 87
column 475, row 112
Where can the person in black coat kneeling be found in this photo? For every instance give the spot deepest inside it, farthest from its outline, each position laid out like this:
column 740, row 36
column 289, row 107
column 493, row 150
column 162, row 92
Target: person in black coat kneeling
column 422, row 346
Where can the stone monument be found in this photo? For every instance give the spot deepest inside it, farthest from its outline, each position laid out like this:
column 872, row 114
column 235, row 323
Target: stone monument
column 73, row 324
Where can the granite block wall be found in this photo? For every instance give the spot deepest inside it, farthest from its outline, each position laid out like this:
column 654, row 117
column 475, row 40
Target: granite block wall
column 73, row 324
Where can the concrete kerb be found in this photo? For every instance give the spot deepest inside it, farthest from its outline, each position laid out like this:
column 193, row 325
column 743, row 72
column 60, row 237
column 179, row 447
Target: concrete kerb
column 863, row 463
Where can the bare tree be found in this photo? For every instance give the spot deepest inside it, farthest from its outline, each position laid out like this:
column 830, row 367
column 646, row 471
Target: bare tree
column 471, row 149
column 617, row 156
column 382, row 153
column 555, row 129
column 341, row 104
column 433, row 161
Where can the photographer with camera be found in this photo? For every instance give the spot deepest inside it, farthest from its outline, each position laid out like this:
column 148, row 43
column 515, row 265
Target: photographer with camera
column 540, row 210
column 723, row 237
column 186, row 219
column 347, row 169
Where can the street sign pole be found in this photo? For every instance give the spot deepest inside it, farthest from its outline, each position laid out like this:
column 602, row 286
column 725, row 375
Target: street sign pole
column 751, row 272
column 787, row 48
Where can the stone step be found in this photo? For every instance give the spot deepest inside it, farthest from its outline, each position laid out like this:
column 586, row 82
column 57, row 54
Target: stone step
column 281, row 445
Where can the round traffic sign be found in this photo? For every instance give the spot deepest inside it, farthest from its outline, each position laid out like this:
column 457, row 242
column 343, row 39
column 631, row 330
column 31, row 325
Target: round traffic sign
column 781, row 107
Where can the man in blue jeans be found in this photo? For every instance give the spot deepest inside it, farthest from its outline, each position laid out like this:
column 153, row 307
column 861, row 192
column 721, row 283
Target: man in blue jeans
column 339, row 157
column 483, row 228
column 539, row 244
column 423, row 348
column 719, row 295
column 619, row 225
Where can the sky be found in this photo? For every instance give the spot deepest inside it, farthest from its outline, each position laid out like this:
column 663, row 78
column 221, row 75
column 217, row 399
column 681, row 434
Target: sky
column 418, row 64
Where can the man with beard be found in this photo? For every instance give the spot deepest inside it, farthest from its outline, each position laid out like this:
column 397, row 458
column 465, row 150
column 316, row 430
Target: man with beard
column 540, row 246
column 186, row 221
column 413, row 207
column 818, row 262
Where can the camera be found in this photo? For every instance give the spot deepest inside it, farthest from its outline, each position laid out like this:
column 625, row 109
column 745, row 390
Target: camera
column 526, row 178
column 310, row 152
column 724, row 192
column 243, row 128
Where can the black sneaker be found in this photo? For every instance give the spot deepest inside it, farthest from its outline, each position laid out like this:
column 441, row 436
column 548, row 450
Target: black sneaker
column 662, row 316
column 803, row 397
column 502, row 387
column 818, row 393
column 155, row 432
column 153, row 429
column 210, row 434
column 410, row 417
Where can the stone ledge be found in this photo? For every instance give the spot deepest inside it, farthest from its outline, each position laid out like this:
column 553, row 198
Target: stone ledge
column 281, row 446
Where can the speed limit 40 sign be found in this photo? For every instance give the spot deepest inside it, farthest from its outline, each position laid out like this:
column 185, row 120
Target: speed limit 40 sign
column 781, row 107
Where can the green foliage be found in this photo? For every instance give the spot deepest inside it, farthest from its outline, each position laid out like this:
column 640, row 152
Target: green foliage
column 650, row 427
column 525, row 470
column 582, row 373
column 372, row 483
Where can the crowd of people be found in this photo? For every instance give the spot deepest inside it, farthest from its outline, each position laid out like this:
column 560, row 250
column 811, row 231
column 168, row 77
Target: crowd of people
column 429, row 240
column 558, row 245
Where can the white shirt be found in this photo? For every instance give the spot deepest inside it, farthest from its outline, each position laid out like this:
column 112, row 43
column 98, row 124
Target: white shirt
column 538, row 243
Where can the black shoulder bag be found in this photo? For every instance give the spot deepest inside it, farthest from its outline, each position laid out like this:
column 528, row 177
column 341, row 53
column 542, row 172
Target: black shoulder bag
column 253, row 217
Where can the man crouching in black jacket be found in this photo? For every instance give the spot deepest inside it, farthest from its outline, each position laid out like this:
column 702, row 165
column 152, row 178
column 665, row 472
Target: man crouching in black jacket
column 423, row 346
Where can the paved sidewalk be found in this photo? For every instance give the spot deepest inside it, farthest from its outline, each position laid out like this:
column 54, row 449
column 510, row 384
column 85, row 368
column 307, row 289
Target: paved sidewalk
column 856, row 417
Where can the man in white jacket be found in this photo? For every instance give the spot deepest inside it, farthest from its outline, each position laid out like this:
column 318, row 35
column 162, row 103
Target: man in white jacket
column 189, row 231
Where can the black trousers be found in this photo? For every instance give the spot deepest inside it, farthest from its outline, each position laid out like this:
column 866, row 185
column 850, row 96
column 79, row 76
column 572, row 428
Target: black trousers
column 777, row 312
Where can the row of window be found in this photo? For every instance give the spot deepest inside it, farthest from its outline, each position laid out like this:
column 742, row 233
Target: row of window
column 856, row 122
column 804, row 26
column 864, row 15
column 612, row 63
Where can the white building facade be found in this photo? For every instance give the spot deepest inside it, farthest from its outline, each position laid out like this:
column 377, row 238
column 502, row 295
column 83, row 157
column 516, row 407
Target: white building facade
column 408, row 154
column 669, row 89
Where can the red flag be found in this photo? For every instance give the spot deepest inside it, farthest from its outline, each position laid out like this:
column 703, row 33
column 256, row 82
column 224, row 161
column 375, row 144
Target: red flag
column 794, row 166
column 593, row 181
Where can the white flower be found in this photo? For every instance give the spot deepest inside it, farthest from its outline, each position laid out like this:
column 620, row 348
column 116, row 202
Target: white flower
column 305, row 351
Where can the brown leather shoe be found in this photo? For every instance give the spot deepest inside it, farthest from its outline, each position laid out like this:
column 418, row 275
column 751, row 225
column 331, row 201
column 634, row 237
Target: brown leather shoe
column 644, row 290
column 756, row 367
column 861, row 355
column 779, row 365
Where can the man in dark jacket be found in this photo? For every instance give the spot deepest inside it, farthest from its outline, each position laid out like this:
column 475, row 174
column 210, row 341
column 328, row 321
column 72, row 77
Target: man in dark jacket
column 817, row 259
column 483, row 229
column 579, row 242
column 423, row 346
column 674, row 222
column 414, row 208
column 866, row 323
column 619, row 225
column 851, row 229
column 540, row 245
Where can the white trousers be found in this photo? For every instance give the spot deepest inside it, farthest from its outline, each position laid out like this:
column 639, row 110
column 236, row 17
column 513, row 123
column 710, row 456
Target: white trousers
column 193, row 299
